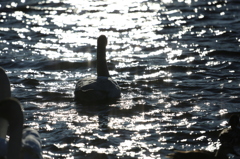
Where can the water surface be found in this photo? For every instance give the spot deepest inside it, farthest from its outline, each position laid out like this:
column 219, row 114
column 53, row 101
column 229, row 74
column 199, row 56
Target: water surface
column 177, row 63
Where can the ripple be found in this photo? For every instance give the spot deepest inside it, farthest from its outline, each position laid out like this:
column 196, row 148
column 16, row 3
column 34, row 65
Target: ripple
column 176, row 62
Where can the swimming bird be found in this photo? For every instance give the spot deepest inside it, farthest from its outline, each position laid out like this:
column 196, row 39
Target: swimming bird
column 102, row 87
column 23, row 143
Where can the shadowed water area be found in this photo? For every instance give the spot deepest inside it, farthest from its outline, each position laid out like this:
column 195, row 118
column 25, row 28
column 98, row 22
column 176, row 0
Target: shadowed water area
column 177, row 63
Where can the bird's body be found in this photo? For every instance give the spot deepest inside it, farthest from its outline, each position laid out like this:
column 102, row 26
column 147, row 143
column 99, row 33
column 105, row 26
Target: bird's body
column 99, row 88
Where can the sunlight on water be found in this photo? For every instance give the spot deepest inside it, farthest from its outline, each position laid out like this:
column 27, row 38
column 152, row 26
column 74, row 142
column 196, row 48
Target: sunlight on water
column 175, row 61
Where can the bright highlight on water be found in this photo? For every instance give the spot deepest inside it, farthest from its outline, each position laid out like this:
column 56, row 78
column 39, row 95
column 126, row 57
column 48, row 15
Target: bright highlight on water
column 176, row 62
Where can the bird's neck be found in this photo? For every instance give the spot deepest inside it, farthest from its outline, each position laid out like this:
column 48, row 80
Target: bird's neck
column 102, row 69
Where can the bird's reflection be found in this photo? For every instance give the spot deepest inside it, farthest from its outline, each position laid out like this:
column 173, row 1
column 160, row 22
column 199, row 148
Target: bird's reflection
column 101, row 109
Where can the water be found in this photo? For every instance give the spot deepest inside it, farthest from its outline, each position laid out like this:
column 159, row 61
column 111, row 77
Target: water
column 177, row 63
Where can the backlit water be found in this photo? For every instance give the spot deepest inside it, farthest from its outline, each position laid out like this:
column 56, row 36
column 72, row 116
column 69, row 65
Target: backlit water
column 177, row 62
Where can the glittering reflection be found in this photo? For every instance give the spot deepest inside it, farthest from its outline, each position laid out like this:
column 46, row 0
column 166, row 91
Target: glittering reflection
column 176, row 62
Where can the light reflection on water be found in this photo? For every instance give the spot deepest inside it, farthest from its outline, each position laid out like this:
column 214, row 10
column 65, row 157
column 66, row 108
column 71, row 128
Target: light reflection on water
column 176, row 62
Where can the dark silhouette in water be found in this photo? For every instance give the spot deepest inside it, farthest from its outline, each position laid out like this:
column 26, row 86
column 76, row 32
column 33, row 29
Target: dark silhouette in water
column 102, row 87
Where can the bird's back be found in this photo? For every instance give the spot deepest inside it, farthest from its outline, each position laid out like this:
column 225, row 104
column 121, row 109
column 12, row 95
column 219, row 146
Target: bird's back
column 96, row 89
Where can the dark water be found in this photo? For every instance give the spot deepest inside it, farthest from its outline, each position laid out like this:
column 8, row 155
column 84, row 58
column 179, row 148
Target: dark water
column 177, row 63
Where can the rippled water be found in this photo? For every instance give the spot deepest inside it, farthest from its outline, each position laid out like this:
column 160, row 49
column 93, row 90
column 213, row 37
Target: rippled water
column 177, row 62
